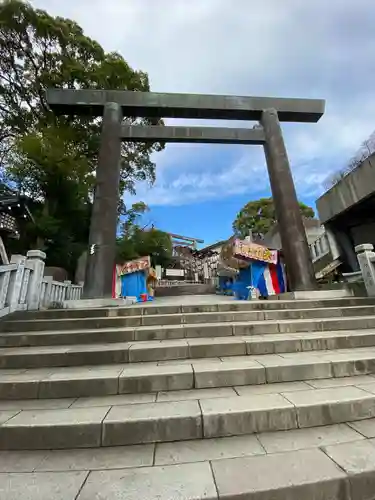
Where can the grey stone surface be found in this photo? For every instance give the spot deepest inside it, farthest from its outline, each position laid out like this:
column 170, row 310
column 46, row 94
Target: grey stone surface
column 247, row 415
column 207, row 135
column 177, row 482
column 299, row 439
column 273, row 345
column 354, row 365
column 116, row 400
column 188, row 361
column 307, row 475
column 96, row 354
column 255, row 328
column 354, row 458
column 358, row 460
column 367, row 386
column 159, row 332
column 161, row 319
column 22, row 386
column 20, row 461
column 299, row 325
column 220, row 392
column 272, row 388
column 147, row 423
column 80, row 383
column 185, row 105
column 228, row 374
column 202, row 348
column 94, row 303
column 208, row 330
column 103, row 223
column 7, row 415
column 158, row 351
column 212, row 329
column 136, row 379
column 207, row 449
column 41, row 486
column 119, row 457
column 48, row 429
column 296, row 370
column 365, row 427
column 296, row 252
column 330, row 406
column 342, row 381
column 35, row 404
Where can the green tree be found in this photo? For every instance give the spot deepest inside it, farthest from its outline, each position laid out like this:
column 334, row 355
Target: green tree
column 50, row 158
column 136, row 241
column 259, row 216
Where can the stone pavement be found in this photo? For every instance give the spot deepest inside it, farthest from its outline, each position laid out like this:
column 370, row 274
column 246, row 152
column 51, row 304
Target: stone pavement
column 332, row 462
column 190, row 398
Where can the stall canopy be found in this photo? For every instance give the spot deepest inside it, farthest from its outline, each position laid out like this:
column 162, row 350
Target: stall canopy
column 133, row 276
column 257, row 266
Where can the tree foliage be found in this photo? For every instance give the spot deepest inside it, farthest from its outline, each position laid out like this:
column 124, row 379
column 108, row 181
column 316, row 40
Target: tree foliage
column 259, row 216
column 136, row 241
column 53, row 159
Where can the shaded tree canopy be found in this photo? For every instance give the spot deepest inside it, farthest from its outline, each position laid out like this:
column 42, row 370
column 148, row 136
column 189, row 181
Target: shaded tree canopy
column 259, row 216
column 52, row 159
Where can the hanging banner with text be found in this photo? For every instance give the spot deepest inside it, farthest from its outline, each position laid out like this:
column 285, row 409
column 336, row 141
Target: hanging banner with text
column 251, row 251
column 132, row 266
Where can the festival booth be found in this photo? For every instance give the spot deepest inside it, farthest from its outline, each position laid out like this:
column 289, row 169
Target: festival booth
column 134, row 278
column 258, row 270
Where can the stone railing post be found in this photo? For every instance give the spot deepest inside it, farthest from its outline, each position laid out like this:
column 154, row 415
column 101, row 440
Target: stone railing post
column 47, row 294
column 16, row 281
column 35, row 261
column 68, row 290
column 366, row 259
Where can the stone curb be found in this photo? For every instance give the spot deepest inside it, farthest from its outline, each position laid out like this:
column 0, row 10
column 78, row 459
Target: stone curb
column 182, row 420
column 181, row 349
column 178, row 319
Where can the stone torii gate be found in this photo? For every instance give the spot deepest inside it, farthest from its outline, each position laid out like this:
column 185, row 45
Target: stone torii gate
column 114, row 105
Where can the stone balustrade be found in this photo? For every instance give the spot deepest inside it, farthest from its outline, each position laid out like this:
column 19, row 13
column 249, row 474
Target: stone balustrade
column 24, row 287
column 366, row 259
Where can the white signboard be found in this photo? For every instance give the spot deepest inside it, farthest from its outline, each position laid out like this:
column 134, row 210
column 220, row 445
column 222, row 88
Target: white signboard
column 175, row 272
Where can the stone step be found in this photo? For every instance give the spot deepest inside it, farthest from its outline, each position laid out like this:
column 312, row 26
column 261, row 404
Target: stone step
column 106, row 380
column 180, row 349
column 327, row 463
column 98, row 426
column 221, row 305
column 152, row 320
column 172, row 332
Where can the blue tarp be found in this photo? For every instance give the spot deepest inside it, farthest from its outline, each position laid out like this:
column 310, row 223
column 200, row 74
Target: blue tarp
column 248, row 277
column 133, row 284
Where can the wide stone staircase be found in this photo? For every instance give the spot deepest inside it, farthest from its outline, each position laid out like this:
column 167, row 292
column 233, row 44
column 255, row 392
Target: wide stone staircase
column 264, row 400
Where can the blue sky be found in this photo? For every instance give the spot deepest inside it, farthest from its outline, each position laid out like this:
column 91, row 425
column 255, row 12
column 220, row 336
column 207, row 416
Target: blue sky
column 289, row 48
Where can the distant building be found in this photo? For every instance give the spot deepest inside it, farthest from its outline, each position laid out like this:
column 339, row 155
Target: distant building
column 325, row 253
column 313, row 228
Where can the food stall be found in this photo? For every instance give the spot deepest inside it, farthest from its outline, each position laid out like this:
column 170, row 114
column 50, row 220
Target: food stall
column 259, row 270
column 134, row 278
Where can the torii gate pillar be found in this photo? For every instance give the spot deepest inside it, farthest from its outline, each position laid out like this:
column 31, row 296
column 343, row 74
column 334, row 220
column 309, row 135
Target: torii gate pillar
column 103, row 226
column 297, row 258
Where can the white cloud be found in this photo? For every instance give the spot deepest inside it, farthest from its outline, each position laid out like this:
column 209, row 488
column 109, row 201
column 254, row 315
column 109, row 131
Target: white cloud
column 297, row 48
